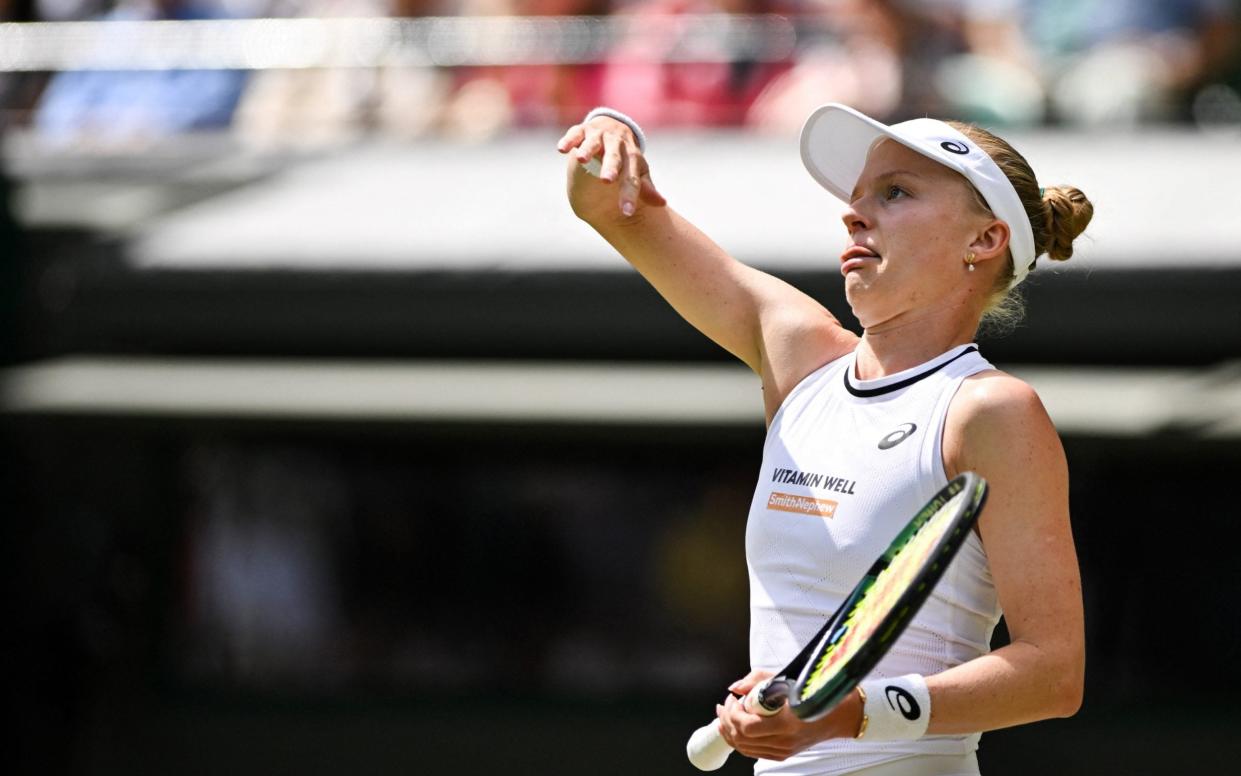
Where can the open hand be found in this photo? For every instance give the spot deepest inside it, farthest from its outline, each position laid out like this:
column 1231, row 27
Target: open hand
column 621, row 160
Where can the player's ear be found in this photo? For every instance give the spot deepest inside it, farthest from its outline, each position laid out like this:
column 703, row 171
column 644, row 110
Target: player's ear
column 990, row 241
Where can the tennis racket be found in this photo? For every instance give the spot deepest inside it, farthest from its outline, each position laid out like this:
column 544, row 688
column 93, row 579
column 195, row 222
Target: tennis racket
column 872, row 617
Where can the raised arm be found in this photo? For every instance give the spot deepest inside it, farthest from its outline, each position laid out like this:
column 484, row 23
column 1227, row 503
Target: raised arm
column 776, row 330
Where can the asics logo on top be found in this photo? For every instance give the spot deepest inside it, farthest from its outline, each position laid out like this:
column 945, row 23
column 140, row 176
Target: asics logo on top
column 896, row 437
column 955, row 147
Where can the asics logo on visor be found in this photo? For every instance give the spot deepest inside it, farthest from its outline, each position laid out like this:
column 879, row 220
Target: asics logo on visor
column 954, row 147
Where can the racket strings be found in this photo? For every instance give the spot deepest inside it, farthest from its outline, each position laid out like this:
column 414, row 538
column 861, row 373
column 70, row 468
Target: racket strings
column 881, row 597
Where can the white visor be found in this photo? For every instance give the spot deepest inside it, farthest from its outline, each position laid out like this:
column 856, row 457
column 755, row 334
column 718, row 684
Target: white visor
column 836, row 140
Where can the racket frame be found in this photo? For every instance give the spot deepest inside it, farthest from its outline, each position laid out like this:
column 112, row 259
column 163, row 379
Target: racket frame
column 907, row 605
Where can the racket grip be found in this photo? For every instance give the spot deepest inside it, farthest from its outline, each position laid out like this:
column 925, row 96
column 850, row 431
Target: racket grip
column 707, row 749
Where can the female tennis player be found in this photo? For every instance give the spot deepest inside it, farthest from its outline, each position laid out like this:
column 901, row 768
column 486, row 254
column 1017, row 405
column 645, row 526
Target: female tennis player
column 943, row 219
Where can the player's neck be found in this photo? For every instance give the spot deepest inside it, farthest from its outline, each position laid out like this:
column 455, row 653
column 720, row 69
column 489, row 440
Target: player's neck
column 900, row 345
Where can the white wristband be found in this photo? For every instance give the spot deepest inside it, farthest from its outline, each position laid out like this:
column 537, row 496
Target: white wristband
column 896, row 709
column 622, row 118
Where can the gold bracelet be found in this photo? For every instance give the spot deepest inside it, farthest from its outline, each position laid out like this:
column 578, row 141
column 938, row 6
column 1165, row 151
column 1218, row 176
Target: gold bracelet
column 861, row 730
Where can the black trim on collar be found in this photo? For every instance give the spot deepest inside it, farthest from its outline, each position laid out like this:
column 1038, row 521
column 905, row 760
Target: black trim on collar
column 866, row 393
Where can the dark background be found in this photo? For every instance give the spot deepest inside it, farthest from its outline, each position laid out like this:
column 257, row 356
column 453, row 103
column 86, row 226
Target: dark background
column 118, row 668
column 525, row 598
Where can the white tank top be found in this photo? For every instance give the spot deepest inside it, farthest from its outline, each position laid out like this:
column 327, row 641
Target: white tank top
column 846, row 463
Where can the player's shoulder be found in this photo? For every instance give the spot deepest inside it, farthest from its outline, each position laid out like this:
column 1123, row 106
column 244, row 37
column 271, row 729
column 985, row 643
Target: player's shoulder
column 994, row 418
column 994, row 397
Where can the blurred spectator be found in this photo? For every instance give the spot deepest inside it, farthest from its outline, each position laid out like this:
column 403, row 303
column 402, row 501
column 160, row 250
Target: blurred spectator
column 994, row 61
column 968, row 59
column 488, row 100
column 70, row 10
column 324, row 107
column 1125, row 61
column 131, row 108
column 899, row 58
column 639, row 81
column 850, row 52
column 263, row 587
column 983, row 69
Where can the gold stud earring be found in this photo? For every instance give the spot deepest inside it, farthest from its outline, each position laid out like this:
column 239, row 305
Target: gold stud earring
column 969, row 259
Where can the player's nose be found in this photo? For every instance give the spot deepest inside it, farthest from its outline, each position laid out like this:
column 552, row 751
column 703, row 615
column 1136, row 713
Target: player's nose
column 854, row 219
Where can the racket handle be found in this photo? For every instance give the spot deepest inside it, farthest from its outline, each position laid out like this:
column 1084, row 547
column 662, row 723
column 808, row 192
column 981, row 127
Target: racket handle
column 707, row 750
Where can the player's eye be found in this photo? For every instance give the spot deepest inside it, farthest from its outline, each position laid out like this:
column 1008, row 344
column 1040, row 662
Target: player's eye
column 893, row 192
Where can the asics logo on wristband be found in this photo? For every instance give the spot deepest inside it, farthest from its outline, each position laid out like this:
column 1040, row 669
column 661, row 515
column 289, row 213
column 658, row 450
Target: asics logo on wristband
column 900, row 700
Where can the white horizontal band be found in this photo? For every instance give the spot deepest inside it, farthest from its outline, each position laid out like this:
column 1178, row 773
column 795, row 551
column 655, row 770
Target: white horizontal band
column 622, row 118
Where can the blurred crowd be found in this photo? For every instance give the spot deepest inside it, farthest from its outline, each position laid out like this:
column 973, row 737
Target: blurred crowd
column 1008, row 62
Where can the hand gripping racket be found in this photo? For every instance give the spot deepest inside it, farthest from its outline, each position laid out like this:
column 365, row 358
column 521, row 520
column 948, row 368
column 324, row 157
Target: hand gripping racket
column 859, row 634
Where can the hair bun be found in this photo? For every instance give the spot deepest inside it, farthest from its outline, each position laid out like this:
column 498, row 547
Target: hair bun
column 1068, row 214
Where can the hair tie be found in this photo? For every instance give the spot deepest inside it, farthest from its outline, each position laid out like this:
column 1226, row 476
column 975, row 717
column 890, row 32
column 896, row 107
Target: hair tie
column 1040, row 193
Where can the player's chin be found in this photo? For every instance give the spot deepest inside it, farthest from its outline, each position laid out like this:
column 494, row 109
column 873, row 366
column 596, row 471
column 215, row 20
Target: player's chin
column 859, row 286
column 864, row 272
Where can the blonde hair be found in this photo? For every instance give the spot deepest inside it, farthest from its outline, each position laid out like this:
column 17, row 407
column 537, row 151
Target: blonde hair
column 1058, row 214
